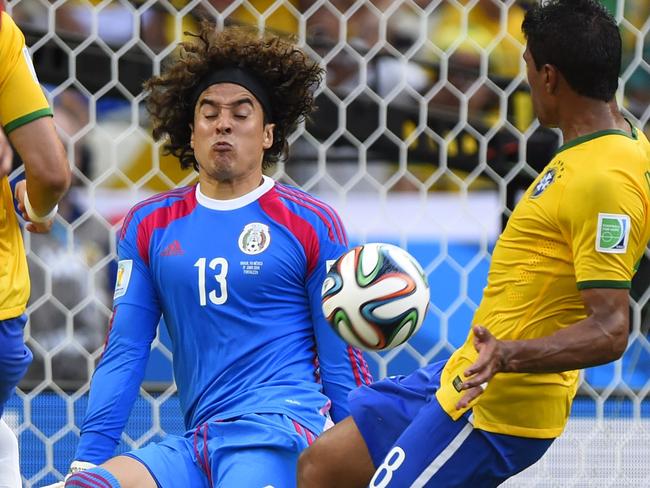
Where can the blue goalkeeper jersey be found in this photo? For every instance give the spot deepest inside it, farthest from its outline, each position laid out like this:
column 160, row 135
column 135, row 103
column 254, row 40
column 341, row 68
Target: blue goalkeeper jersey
column 238, row 285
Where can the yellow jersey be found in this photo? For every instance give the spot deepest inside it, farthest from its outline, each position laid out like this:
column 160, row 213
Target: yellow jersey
column 583, row 223
column 21, row 101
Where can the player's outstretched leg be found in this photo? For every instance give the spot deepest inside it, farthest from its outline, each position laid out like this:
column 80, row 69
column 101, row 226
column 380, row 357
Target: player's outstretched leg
column 338, row 459
column 435, row 450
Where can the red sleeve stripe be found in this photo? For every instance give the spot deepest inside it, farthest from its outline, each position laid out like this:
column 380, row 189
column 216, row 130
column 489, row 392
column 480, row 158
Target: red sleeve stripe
column 305, row 198
column 202, row 458
column 272, row 204
column 304, row 432
column 333, row 215
column 310, row 437
column 297, row 201
column 355, row 366
column 316, row 366
column 326, row 408
column 154, row 199
column 297, row 426
column 367, row 376
column 208, row 469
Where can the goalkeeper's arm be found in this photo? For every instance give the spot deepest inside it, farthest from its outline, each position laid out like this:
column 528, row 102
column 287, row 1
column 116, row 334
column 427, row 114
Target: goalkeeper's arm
column 116, row 381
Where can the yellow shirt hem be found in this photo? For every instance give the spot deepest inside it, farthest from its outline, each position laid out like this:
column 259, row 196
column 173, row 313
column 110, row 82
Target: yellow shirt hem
column 546, row 433
column 12, row 313
column 480, row 423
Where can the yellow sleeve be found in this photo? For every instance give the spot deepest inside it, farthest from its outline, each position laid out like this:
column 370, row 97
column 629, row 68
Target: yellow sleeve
column 21, row 97
column 602, row 216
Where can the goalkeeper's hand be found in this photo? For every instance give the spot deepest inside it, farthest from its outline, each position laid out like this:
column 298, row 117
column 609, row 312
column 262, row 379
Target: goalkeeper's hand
column 75, row 467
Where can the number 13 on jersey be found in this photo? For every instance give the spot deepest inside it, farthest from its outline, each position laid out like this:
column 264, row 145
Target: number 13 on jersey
column 220, row 277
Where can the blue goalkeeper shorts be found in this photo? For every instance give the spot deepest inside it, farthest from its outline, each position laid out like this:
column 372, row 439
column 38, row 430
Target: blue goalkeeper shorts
column 15, row 357
column 413, row 442
column 254, row 450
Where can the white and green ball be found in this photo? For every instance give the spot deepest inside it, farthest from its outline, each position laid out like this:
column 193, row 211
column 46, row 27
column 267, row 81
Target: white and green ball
column 375, row 296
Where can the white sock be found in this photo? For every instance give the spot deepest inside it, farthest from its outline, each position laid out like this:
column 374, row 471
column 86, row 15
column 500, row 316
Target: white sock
column 9, row 465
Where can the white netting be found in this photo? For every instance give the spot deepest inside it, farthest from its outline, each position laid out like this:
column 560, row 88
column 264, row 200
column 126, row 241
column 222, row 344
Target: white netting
column 425, row 137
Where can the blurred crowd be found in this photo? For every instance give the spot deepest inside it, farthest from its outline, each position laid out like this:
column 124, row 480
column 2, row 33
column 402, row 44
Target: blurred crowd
column 443, row 61
column 440, row 67
column 448, row 60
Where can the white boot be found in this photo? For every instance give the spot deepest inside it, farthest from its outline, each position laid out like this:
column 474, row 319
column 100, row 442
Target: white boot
column 9, row 464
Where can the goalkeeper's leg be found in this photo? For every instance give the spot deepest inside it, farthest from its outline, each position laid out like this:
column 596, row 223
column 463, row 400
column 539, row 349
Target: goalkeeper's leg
column 9, row 466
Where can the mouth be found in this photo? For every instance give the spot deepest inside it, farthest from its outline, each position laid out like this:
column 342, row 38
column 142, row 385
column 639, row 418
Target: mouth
column 221, row 146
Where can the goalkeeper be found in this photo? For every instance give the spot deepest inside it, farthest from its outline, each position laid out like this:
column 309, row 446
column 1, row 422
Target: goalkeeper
column 235, row 266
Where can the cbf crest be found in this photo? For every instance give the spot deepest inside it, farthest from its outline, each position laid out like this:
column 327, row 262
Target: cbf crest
column 544, row 183
column 255, row 238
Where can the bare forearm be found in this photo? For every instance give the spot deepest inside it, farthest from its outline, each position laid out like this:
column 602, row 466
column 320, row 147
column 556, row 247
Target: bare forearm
column 584, row 344
column 44, row 192
column 598, row 339
column 46, row 167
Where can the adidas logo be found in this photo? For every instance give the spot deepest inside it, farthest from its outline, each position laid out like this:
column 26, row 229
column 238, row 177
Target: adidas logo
column 173, row 249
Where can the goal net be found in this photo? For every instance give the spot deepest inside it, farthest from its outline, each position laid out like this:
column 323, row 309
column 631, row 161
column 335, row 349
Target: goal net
column 425, row 137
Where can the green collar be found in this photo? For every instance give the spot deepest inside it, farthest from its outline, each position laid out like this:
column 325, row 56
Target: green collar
column 600, row 133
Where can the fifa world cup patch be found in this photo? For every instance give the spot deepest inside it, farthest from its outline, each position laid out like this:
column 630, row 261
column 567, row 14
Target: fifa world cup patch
column 124, row 268
column 613, row 233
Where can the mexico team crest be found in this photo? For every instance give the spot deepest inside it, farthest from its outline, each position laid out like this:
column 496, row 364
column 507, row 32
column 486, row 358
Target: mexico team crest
column 543, row 183
column 255, row 238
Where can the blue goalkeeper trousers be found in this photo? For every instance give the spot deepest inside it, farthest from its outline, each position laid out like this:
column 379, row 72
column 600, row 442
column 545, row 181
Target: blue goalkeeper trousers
column 251, row 451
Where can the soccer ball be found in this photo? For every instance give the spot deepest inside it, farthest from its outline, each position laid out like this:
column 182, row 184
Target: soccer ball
column 375, row 296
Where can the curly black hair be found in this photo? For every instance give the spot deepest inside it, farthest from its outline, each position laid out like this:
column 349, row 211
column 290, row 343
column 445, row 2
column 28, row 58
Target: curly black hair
column 288, row 73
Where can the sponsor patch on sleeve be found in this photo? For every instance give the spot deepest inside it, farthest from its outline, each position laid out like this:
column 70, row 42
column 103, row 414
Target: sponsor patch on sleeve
column 458, row 384
column 124, row 268
column 613, row 233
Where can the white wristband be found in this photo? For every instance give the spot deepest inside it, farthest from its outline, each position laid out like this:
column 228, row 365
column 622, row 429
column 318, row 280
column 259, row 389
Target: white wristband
column 33, row 217
column 77, row 466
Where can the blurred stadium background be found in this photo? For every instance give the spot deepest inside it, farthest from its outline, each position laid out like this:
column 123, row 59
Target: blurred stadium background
column 425, row 138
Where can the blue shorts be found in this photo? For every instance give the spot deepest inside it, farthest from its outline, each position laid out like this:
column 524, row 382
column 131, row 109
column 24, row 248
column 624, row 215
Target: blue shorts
column 254, row 450
column 15, row 357
column 414, row 442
